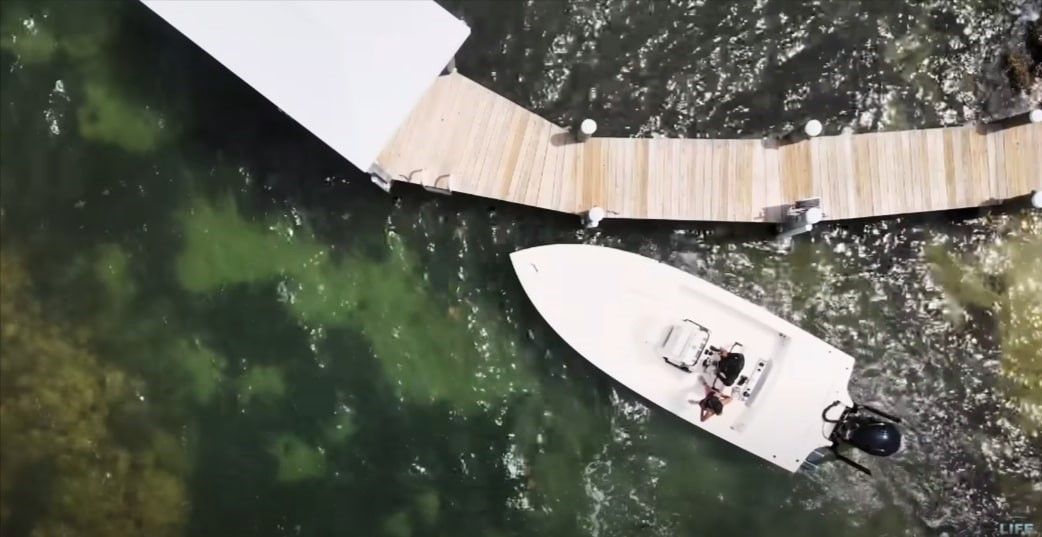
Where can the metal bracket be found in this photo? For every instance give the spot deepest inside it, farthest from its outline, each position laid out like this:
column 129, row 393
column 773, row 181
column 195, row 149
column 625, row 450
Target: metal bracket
column 447, row 191
column 380, row 178
column 800, row 218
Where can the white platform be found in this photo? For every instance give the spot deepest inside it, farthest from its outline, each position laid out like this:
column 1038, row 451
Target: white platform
column 614, row 308
column 349, row 72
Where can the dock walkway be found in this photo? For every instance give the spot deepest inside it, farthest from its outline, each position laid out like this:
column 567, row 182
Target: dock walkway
column 465, row 138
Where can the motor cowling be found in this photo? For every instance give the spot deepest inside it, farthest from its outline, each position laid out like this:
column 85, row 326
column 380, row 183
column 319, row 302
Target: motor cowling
column 869, row 434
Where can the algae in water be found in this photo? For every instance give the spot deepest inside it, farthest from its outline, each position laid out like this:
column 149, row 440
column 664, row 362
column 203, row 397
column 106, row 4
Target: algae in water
column 57, row 405
column 1003, row 277
column 340, row 428
column 428, row 354
column 262, row 383
column 297, row 460
column 108, row 117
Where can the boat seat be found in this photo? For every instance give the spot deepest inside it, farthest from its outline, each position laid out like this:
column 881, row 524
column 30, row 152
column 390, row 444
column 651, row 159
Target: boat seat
column 676, row 340
column 730, row 367
column 683, row 344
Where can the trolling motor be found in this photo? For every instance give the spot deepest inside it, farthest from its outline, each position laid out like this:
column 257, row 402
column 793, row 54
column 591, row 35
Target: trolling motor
column 875, row 432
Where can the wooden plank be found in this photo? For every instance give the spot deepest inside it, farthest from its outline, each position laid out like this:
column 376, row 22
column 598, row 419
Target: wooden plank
column 907, row 177
column 468, row 177
column 955, row 167
column 744, row 182
column 978, row 178
column 560, row 179
column 834, row 196
column 653, row 180
column 507, row 161
column 528, row 190
column 701, row 191
column 762, row 178
column 607, row 179
column 678, row 169
column 1009, row 160
column 842, row 179
column 481, row 168
column 773, row 196
column 882, row 160
column 819, row 155
column 1022, row 156
column 996, row 184
column 863, row 174
column 528, row 174
column 641, row 166
column 1032, row 167
column 846, row 179
column 714, row 201
column 936, row 169
column 571, row 194
column 456, row 124
column 593, row 169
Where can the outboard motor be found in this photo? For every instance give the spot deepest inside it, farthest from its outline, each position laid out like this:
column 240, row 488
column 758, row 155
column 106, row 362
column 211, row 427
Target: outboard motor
column 875, row 432
column 871, row 435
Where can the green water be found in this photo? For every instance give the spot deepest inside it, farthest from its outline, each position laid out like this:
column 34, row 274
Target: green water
column 213, row 325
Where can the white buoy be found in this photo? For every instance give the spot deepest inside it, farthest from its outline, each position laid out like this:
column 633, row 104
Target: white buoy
column 813, row 215
column 586, row 129
column 1036, row 115
column 801, row 219
column 1036, row 199
column 594, row 217
column 813, row 128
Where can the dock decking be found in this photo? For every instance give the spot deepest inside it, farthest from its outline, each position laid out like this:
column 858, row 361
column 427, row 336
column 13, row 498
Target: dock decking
column 464, row 137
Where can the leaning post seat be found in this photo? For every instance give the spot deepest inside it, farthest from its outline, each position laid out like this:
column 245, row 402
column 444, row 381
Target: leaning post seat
column 730, row 367
column 683, row 344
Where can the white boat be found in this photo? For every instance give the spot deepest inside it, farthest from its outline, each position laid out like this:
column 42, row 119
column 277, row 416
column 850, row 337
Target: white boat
column 655, row 329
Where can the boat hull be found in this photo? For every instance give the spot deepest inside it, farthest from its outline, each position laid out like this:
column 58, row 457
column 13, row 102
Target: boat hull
column 617, row 309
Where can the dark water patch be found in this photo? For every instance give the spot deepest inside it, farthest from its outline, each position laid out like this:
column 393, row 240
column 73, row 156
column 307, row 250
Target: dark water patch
column 713, row 69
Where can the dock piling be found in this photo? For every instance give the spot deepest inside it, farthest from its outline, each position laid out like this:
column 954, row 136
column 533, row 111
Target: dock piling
column 586, row 130
column 593, row 217
column 811, row 129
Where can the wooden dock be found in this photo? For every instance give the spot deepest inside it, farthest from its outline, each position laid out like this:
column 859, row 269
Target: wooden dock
column 465, row 138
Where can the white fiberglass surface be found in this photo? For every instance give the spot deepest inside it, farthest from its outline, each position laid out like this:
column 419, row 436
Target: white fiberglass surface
column 614, row 308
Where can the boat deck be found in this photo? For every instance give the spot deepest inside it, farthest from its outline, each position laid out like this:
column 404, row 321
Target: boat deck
column 614, row 308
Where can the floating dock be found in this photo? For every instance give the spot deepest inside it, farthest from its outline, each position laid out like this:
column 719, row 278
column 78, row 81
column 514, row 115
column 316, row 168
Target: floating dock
column 348, row 71
column 465, row 138
column 359, row 76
